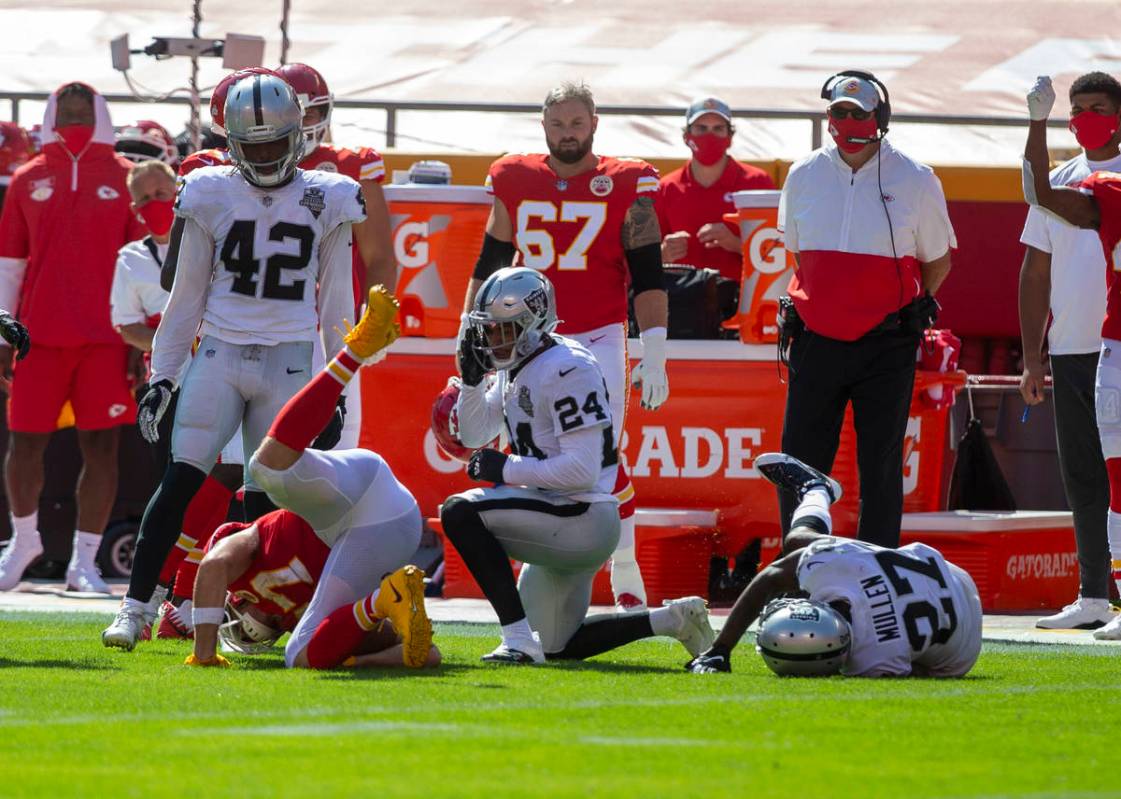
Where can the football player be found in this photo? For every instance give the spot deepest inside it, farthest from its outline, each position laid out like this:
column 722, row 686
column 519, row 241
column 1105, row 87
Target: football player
column 553, row 508
column 147, row 140
column 872, row 611
column 262, row 260
column 354, row 505
column 588, row 222
column 1095, row 205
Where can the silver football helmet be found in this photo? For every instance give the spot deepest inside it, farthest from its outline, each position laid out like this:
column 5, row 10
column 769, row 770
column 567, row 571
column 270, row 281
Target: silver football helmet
column 243, row 633
column 803, row 638
column 514, row 310
column 262, row 112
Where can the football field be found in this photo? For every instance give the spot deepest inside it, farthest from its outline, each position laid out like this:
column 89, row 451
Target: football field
column 78, row 720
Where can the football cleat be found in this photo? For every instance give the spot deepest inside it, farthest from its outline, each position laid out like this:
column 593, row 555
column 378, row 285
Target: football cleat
column 710, row 662
column 788, row 472
column 627, row 602
column 14, row 562
column 127, row 628
column 172, row 625
column 85, row 580
column 692, row 627
column 1111, row 631
column 1082, row 614
column 509, row 656
column 378, row 327
column 401, row 600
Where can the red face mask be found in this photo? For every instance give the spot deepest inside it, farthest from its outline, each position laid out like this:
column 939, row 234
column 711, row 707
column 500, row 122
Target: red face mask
column 1094, row 130
column 158, row 215
column 842, row 130
column 708, row 148
column 75, row 137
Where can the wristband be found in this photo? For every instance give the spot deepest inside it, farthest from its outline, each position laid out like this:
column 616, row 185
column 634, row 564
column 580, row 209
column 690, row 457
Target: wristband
column 207, row 615
column 654, row 345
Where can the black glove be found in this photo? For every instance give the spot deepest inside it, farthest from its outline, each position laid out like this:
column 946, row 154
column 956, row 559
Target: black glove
column 473, row 359
column 921, row 314
column 153, row 405
column 486, row 465
column 15, row 334
column 333, row 431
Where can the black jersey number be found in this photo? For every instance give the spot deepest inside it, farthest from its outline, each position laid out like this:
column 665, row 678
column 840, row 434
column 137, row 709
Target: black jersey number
column 894, row 563
column 569, row 411
column 237, row 257
column 522, row 444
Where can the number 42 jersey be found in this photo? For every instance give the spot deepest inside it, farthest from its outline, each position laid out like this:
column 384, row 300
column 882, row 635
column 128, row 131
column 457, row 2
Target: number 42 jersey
column 910, row 609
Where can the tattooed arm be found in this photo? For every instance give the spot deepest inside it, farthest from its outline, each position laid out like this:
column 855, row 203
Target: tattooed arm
column 642, row 240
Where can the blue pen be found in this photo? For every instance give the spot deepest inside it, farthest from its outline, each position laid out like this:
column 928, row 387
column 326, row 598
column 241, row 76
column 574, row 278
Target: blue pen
column 1024, row 415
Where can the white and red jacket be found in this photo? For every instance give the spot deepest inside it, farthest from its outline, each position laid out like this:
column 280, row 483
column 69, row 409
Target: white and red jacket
column 851, row 274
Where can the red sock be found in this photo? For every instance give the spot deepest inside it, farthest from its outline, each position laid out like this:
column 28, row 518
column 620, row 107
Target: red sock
column 305, row 415
column 624, row 492
column 178, row 552
column 207, row 510
column 1113, row 469
column 338, row 635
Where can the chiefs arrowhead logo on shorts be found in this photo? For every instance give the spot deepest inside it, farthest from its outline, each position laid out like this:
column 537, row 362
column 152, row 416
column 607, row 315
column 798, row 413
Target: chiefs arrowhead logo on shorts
column 116, row 409
column 602, row 185
column 314, row 200
column 41, row 190
column 107, row 193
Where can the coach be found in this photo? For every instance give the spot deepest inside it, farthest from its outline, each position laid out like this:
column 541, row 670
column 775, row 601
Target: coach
column 872, row 238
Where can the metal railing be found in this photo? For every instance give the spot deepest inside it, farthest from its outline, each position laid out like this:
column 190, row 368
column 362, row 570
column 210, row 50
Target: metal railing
column 393, row 108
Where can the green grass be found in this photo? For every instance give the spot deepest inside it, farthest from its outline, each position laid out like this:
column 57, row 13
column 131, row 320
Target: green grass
column 79, row 720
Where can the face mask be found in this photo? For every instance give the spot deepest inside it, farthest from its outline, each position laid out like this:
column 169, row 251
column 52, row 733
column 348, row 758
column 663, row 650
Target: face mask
column 75, row 137
column 708, row 148
column 844, row 129
column 158, row 215
column 1094, row 130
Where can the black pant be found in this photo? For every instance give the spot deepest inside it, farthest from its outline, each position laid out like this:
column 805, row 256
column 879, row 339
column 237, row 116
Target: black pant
column 876, row 374
column 1085, row 480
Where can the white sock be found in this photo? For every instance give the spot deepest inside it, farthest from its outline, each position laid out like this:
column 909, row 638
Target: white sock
column 663, row 622
column 134, row 604
column 184, row 614
column 518, row 635
column 1113, row 530
column 815, row 503
column 25, row 532
column 626, row 577
column 85, row 550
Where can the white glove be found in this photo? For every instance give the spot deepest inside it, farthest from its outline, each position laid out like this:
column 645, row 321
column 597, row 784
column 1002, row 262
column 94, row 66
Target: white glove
column 1041, row 98
column 651, row 372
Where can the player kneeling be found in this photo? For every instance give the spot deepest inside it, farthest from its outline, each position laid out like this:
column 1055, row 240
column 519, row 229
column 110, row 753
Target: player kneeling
column 355, row 506
column 556, row 514
column 871, row 611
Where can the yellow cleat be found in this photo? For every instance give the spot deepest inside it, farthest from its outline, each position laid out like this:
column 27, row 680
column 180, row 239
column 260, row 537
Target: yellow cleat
column 378, row 327
column 401, row 600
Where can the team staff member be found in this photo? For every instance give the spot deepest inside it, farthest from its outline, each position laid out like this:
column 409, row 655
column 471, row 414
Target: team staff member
column 872, row 236
column 1062, row 278
column 66, row 215
column 692, row 200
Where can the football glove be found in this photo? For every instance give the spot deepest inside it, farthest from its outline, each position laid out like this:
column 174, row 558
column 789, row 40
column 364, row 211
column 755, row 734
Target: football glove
column 153, row 405
column 473, row 359
column 334, row 428
column 15, row 334
column 217, row 660
column 651, row 372
column 486, row 465
column 1041, row 98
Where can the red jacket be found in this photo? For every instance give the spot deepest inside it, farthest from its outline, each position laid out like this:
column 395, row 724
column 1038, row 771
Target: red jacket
column 64, row 219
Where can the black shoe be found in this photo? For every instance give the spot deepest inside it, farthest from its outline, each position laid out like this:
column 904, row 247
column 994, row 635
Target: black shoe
column 788, row 472
column 710, row 662
column 510, row 657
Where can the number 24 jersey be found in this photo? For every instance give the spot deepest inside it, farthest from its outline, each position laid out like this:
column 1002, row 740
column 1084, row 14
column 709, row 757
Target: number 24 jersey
column 266, row 249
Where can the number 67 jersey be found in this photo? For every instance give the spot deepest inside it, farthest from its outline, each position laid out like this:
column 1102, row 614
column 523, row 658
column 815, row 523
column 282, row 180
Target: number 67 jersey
column 910, row 609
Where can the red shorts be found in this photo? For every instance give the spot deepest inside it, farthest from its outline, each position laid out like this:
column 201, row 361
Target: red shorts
column 92, row 377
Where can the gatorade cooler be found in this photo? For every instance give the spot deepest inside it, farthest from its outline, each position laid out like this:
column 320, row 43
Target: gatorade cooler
column 767, row 267
column 437, row 235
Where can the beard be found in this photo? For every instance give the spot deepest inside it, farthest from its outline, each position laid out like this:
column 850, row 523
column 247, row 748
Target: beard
column 571, row 150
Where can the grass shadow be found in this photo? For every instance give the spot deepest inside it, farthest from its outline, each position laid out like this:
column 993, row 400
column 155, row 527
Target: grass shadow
column 611, row 668
column 395, row 672
column 69, row 665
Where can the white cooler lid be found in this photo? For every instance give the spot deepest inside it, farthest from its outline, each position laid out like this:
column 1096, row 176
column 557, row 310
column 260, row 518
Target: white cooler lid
column 967, row 521
column 416, row 193
column 756, row 198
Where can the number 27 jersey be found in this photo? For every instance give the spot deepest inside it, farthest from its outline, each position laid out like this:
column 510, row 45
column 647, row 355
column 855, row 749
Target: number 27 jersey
column 572, row 230
column 907, row 606
column 267, row 244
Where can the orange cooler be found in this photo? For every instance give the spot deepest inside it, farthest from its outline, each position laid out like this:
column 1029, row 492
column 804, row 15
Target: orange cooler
column 767, row 267
column 437, row 235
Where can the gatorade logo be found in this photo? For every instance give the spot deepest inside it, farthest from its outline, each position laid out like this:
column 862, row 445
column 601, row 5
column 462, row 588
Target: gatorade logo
column 765, row 251
column 410, row 244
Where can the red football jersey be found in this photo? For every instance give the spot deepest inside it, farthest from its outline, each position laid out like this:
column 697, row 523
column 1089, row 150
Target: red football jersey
column 289, row 562
column 572, row 229
column 203, row 158
column 1106, row 189
column 361, row 164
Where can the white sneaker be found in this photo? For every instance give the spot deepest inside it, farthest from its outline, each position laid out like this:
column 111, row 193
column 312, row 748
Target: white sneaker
column 519, row 653
column 1082, row 614
column 693, row 630
column 127, row 628
column 14, row 562
column 85, row 579
column 1111, row 631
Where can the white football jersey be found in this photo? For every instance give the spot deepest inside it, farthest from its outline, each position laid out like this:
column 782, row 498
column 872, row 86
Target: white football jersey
column 907, row 605
column 559, row 392
column 267, row 249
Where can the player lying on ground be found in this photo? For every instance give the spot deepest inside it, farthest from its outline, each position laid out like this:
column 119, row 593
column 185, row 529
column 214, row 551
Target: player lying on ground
column 270, row 570
column 871, row 612
column 357, row 508
column 556, row 514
